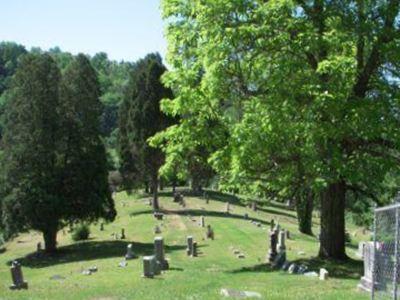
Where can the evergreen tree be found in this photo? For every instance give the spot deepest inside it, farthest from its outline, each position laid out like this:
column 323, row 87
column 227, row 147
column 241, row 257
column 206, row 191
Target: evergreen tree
column 30, row 191
column 54, row 163
column 84, row 173
column 139, row 119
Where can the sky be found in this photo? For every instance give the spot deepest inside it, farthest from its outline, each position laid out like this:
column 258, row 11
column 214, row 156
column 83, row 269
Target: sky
column 124, row 29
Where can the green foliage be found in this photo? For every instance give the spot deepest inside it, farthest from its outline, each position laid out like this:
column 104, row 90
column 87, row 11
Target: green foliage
column 29, row 189
column 81, row 233
column 83, row 156
column 139, row 119
column 287, row 95
column 54, row 167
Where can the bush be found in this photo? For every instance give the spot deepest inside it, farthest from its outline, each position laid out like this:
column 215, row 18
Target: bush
column 81, row 233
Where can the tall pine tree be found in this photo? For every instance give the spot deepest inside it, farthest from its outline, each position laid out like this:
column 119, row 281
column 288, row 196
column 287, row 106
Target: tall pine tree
column 84, row 175
column 54, row 163
column 139, row 119
column 29, row 187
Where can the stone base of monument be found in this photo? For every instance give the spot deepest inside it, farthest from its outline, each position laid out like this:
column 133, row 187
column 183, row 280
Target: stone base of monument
column 164, row 265
column 365, row 284
column 22, row 285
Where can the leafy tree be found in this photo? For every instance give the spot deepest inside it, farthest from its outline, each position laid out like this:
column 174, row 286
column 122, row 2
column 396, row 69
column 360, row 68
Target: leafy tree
column 302, row 95
column 139, row 119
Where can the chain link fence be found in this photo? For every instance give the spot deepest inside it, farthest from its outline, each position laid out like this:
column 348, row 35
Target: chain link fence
column 385, row 254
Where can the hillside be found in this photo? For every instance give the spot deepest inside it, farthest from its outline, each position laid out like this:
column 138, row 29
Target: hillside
column 203, row 277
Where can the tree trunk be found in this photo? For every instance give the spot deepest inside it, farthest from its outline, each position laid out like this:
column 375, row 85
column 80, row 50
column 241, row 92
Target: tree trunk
column 50, row 240
column 161, row 184
column 304, row 208
column 173, row 187
column 154, row 188
column 332, row 238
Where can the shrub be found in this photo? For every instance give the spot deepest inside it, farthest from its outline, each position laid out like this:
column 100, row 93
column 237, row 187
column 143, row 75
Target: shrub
column 81, row 233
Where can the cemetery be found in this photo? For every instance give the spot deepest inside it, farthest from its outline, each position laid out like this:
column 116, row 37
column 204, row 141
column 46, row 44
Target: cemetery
column 181, row 262
column 200, row 149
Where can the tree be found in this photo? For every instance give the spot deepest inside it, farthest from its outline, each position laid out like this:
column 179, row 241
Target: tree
column 83, row 160
column 31, row 199
column 139, row 119
column 304, row 95
column 9, row 55
column 53, row 161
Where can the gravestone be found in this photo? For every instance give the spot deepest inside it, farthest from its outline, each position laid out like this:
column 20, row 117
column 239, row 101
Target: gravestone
column 177, row 197
column 148, row 266
column 323, row 274
column 158, row 215
column 302, row 269
column 122, row 234
column 17, row 277
column 159, row 253
column 129, row 252
column 254, row 206
column 272, row 224
column 210, row 233
column 194, row 254
column 157, row 229
column 273, row 240
column 293, row 268
column 281, row 241
column 101, row 226
column 239, row 294
column 368, row 257
column 227, row 208
column 189, row 249
column 202, row 223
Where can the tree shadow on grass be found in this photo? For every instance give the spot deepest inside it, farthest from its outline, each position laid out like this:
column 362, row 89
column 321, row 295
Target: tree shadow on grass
column 217, row 214
column 348, row 269
column 200, row 212
column 87, row 251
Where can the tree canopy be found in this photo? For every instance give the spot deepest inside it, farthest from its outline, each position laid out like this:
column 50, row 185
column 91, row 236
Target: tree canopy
column 287, row 96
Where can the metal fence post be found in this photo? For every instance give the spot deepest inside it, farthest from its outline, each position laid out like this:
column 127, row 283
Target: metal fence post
column 396, row 263
column 374, row 255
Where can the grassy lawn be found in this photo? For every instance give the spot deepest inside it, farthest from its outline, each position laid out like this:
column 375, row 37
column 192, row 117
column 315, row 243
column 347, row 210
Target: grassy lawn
column 189, row 278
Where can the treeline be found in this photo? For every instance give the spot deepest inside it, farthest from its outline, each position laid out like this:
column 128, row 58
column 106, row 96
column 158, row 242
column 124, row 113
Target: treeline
column 113, row 78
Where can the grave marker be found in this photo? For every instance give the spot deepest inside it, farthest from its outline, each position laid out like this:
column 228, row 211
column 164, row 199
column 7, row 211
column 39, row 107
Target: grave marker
column 17, row 277
column 159, row 253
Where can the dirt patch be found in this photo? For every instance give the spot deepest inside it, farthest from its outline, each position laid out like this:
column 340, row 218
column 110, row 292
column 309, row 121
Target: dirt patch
column 176, row 222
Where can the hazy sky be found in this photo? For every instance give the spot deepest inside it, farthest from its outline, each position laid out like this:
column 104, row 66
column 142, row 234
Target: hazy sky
column 124, row 29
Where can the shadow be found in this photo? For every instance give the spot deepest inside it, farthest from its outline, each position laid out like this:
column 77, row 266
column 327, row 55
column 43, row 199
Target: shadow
column 208, row 213
column 87, row 251
column 141, row 212
column 276, row 212
column 175, row 269
column 347, row 269
column 260, row 268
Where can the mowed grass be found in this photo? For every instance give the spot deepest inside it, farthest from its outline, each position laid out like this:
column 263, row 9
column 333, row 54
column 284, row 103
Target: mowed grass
column 216, row 266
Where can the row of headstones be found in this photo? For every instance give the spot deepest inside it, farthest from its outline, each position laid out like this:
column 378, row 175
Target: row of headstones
column 277, row 254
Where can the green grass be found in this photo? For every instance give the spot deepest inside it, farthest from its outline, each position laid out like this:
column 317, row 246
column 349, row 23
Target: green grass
column 189, row 278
